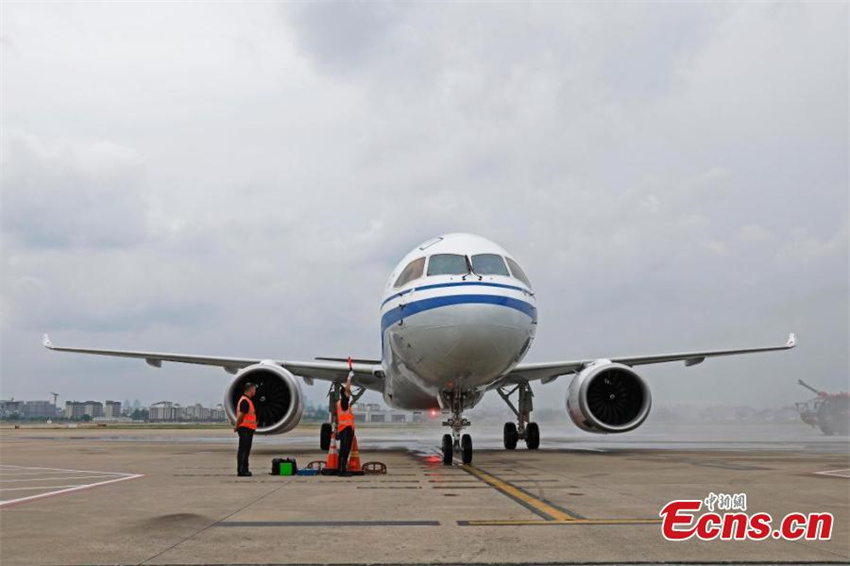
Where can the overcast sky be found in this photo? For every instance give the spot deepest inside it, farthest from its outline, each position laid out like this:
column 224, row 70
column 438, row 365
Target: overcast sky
column 240, row 178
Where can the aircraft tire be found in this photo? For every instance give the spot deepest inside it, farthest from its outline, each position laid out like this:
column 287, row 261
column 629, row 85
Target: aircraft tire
column 466, row 448
column 448, row 449
column 325, row 437
column 532, row 436
column 510, row 436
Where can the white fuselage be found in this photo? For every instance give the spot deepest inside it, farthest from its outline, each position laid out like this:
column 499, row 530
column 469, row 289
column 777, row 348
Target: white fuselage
column 457, row 326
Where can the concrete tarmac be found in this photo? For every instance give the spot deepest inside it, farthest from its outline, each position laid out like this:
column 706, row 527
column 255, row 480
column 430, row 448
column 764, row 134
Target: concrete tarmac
column 153, row 496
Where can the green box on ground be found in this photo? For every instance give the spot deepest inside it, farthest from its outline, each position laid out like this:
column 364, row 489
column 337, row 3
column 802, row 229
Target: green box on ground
column 284, row 467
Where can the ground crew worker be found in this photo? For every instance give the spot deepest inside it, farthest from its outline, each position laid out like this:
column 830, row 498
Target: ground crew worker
column 246, row 424
column 345, row 425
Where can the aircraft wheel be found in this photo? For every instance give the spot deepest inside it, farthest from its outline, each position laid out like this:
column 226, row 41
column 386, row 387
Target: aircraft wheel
column 466, row 448
column 325, row 436
column 511, row 436
column 448, row 449
column 532, row 436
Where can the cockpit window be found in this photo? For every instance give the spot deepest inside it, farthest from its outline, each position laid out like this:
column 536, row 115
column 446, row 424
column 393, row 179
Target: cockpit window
column 447, row 264
column 412, row 271
column 489, row 264
column 518, row 272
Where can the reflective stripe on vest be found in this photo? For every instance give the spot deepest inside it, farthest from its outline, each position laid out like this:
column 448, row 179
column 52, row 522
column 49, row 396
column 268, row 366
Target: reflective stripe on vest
column 345, row 419
column 250, row 418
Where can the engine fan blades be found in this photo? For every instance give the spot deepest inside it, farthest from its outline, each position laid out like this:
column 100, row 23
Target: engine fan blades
column 272, row 401
column 615, row 397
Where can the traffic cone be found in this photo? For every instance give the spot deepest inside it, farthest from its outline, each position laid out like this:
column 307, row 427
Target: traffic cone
column 354, row 460
column 332, row 465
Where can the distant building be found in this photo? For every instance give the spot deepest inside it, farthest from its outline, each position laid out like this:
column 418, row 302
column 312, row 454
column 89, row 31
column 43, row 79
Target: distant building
column 11, row 408
column 94, row 408
column 74, row 409
column 112, row 410
column 217, row 413
column 165, row 411
column 78, row 409
column 39, row 409
column 27, row 409
column 196, row 412
column 375, row 413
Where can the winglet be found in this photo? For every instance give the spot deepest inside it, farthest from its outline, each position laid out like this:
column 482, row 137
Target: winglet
column 46, row 342
column 792, row 340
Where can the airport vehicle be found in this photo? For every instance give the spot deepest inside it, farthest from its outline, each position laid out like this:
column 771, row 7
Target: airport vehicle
column 830, row 412
column 458, row 316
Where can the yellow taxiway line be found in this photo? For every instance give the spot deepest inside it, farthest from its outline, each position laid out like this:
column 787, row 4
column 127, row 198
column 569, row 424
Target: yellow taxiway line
column 499, row 523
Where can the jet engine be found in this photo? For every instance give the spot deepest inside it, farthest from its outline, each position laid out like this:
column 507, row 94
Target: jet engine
column 278, row 402
column 606, row 397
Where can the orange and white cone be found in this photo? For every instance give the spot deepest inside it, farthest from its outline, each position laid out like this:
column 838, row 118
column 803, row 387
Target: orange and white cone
column 333, row 455
column 354, row 460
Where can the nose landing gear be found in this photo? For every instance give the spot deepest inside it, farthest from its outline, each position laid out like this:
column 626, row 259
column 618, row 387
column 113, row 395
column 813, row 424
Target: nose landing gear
column 455, row 441
column 524, row 429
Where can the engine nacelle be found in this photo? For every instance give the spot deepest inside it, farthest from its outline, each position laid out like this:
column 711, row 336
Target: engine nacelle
column 278, row 402
column 606, row 397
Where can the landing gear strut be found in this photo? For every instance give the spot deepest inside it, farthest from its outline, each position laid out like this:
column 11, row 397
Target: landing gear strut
column 524, row 429
column 455, row 441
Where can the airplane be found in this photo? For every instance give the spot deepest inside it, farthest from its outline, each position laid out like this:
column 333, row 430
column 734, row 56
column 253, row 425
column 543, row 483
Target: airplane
column 458, row 315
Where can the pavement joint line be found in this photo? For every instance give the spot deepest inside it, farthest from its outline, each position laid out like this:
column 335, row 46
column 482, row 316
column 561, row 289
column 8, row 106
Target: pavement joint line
column 535, row 504
column 199, row 531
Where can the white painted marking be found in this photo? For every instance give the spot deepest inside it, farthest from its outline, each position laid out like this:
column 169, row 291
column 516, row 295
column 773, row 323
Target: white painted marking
column 41, row 487
column 92, row 476
column 114, row 477
column 4, row 474
column 58, row 469
column 835, row 473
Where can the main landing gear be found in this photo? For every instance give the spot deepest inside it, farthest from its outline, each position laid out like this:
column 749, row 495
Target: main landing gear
column 524, row 429
column 455, row 441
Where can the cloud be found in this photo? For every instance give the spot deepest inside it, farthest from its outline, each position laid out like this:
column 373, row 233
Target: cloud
column 345, row 36
column 805, row 248
column 62, row 193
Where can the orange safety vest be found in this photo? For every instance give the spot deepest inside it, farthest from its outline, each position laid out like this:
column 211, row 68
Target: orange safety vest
column 344, row 419
column 250, row 418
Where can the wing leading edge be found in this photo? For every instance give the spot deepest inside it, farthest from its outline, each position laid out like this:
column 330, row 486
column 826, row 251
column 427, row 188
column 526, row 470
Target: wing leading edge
column 365, row 375
column 549, row 371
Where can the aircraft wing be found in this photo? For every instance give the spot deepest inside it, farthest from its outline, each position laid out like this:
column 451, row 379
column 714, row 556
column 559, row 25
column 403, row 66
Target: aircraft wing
column 549, row 371
column 365, row 374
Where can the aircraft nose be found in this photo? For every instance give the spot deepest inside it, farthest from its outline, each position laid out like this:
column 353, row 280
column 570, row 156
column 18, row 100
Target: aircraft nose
column 470, row 343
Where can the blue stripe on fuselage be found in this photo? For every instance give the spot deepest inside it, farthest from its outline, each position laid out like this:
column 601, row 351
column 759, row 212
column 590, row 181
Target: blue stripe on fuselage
column 396, row 314
column 455, row 284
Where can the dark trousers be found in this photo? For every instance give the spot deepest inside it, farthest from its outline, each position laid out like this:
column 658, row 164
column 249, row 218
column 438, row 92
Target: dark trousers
column 246, row 438
column 346, row 437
